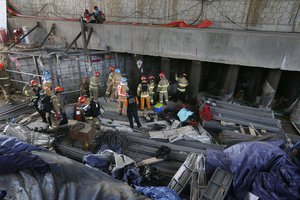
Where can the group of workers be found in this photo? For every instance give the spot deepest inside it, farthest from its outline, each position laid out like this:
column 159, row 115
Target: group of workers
column 46, row 98
column 95, row 17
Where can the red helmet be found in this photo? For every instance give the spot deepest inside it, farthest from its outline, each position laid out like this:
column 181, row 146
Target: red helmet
column 95, row 7
column 161, row 74
column 112, row 68
column 58, row 89
column 33, row 83
column 86, row 11
column 97, row 73
column 143, row 78
column 2, row 65
column 151, row 77
column 81, row 99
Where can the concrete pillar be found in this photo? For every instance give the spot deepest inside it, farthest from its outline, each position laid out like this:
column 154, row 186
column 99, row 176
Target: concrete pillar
column 270, row 87
column 194, row 80
column 231, row 77
column 166, row 66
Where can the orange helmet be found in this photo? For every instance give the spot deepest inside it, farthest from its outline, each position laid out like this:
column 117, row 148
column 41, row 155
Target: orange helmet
column 81, row 99
column 58, row 89
column 112, row 68
column 143, row 78
column 161, row 74
column 97, row 73
column 33, row 83
column 2, row 65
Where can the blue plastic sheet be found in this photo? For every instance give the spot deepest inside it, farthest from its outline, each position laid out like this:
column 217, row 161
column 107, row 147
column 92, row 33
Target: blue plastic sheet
column 158, row 193
column 183, row 114
column 16, row 155
column 262, row 168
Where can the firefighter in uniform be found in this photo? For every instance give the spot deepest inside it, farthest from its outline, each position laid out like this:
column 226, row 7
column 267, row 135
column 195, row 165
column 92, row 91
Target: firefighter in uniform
column 143, row 93
column 109, row 83
column 33, row 90
column 84, row 87
column 162, row 88
column 94, row 86
column 182, row 84
column 116, row 81
column 45, row 105
column 122, row 96
column 90, row 111
column 5, row 83
column 152, row 86
column 56, row 114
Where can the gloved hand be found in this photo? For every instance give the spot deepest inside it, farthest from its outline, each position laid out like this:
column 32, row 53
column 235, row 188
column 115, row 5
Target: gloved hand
column 57, row 116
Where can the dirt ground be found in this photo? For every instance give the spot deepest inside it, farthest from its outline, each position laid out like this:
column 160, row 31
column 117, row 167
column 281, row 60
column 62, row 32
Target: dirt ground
column 15, row 97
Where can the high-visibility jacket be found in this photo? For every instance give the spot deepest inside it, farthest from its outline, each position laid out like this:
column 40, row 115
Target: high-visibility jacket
column 116, row 80
column 4, row 78
column 110, row 78
column 94, row 82
column 163, row 85
column 182, row 83
column 122, row 92
column 143, row 89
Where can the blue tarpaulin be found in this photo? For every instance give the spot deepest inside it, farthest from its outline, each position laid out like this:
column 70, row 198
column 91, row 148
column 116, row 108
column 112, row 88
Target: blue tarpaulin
column 158, row 193
column 16, row 155
column 262, row 168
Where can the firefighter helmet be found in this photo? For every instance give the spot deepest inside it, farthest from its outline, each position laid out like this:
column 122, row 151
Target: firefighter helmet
column 81, row 99
column 2, row 65
column 151, row 77
column 58, row 89
column 184, row 74
column 95, row 7
column 112, row 68
column 143, row 78
column 97, row 73
column 33, row 83
column 161, row 74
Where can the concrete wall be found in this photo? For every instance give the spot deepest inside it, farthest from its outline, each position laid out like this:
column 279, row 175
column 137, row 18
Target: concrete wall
column 248, row 48
column 267, row 15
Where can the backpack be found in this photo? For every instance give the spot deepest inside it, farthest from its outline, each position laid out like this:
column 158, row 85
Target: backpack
column 145, row 87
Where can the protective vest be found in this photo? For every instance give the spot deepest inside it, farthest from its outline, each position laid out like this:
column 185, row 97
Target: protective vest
column 122, row 92
column 110, row 78
column 4, row 78
column 94, row 82
column 182, row 84
column 116, row 80
column 143, row 89
column 163, row 85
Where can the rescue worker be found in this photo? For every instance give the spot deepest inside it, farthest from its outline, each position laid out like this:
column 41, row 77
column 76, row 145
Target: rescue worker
column 143, row 93
column 88, row 17
column 122, row 96
column 99, row 15
column 17, row 34
column 84, row 87
column 91, row 111
column 109, row 83
column 132, row 102
column 33, row 90
column 182, row 84
column 56, row 115
column 162, row 88
column 5, row 83
column 152, row 86
column 45, row 105
column 94, row 86
column 116, row 81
